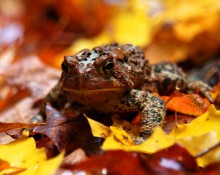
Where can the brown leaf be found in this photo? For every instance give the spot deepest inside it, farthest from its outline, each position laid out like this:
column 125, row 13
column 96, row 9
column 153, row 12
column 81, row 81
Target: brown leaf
column 173, row 119
column 21, row 86
column 49, row 147
column 8, row 126
column 14, row 96
column 68, row 133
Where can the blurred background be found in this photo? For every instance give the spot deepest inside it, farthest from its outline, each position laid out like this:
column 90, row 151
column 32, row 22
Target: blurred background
column 166, row 29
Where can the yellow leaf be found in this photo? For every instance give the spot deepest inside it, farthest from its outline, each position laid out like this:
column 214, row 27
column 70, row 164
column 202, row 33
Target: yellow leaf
column 23, row 154
column 195, row 143
column 198, row 144
column 191, row 16
column 157, row 141
column 98, row 129
column 180, row 29
column 201, row 125
column 118, row 139
column 130, row 24
column 102, row 38
column 121, row 136
column 198, row 136
column 49, row 166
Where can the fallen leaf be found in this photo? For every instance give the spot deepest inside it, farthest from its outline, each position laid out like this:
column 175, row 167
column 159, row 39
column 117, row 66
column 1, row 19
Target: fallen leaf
column 4, row 165
column 98, row 129
column 173, row 160
column 158, row 140
column 13, row 96
column 198, row 144
column 29, row 77
column 111, row 162
column 210, row 169
column 195, row 139
column 173, row 118
column 75, row 157
column 180, row 29
column 22, row 153
column 191, row 104
column 201, row 125
column 22, row 86
column 8, row 126
column 68, row 133
column 216, row 92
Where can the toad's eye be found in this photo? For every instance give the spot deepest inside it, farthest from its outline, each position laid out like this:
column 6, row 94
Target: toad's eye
column 64, row 67
column 107, row 67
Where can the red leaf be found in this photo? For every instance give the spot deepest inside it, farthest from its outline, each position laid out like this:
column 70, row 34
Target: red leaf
column 173, row 160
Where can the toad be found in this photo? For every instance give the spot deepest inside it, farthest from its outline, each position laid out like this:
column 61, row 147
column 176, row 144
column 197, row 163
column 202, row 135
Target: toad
column 117, row 79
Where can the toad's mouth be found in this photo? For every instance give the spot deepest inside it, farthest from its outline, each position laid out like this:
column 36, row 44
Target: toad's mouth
column 94, row 90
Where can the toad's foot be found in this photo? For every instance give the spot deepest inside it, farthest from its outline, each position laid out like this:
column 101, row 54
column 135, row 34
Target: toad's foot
column 153, row 112
column 200, row 87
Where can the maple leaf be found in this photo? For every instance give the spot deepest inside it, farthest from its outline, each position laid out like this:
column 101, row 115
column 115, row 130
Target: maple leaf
column 23, row 156
column 205, row 123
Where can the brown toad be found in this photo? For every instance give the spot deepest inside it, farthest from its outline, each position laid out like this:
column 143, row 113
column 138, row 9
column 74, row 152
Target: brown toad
column 117, row 79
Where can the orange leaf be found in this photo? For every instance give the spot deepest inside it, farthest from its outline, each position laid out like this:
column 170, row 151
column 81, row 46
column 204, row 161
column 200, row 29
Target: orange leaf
column 216, row 93
column 8, row 126
column 4, row 165
column 191, row 104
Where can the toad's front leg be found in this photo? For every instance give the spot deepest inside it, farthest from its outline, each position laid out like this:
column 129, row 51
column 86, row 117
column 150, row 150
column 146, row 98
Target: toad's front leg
column 153, row 112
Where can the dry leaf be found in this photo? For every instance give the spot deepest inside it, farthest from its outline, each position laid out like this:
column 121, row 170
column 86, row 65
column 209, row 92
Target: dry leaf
column 68, row 133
